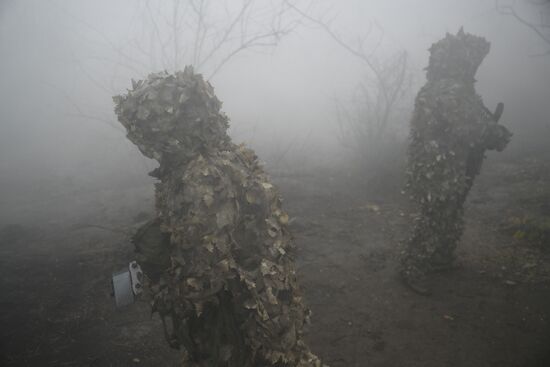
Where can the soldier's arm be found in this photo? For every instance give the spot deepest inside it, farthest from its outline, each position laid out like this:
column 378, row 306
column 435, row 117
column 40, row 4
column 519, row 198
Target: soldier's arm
column 496, row 136
column 152, row 248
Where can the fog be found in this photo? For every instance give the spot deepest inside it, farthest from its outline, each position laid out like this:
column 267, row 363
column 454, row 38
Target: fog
column 62, row 61
column 60, row 67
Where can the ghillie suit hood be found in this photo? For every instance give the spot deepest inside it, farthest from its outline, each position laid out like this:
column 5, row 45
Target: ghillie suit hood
column 457, row 57
column 173, row 115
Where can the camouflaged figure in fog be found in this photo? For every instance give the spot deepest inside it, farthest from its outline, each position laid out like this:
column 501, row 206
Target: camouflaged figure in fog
column 219, row 253
column 450, row 131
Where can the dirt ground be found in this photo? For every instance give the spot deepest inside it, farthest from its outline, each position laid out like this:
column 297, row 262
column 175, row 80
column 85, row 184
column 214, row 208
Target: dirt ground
column 57, row 256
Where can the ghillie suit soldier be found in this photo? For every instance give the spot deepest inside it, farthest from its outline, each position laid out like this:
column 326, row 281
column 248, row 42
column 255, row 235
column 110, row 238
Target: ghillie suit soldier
column 450, row 131
column 223, row 275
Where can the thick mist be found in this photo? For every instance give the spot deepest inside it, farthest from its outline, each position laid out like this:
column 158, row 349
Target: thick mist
column 61, row 66
column 306, row 87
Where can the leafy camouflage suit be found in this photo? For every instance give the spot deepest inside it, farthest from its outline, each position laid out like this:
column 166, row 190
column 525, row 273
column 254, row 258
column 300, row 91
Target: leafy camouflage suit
column 450, row 131
column 224, row 277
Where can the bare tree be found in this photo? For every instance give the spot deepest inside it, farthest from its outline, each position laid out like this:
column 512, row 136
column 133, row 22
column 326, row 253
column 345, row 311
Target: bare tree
column 540, row 25
column 367, row 121
column 170, row 34
column 207, row 33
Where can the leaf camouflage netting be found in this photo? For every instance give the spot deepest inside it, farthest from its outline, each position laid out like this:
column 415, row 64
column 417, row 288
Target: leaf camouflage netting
column 451, row 130
column 226, row 283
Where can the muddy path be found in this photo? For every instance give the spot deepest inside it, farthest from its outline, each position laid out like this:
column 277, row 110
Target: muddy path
column 56, row 308
column 492, row 311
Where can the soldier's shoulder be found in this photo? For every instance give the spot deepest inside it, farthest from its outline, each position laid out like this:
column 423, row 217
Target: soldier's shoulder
column 232, row 156
column 231, row 165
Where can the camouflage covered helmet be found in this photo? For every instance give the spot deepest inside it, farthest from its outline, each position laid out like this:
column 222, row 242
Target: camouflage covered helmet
column 457, row 56
column 172, row 114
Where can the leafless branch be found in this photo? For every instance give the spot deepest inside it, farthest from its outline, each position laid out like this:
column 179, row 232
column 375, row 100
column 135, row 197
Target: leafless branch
column 178, row 33
column 540, row 28
column 364, row 123
column 368, row 121
column 214, row 33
